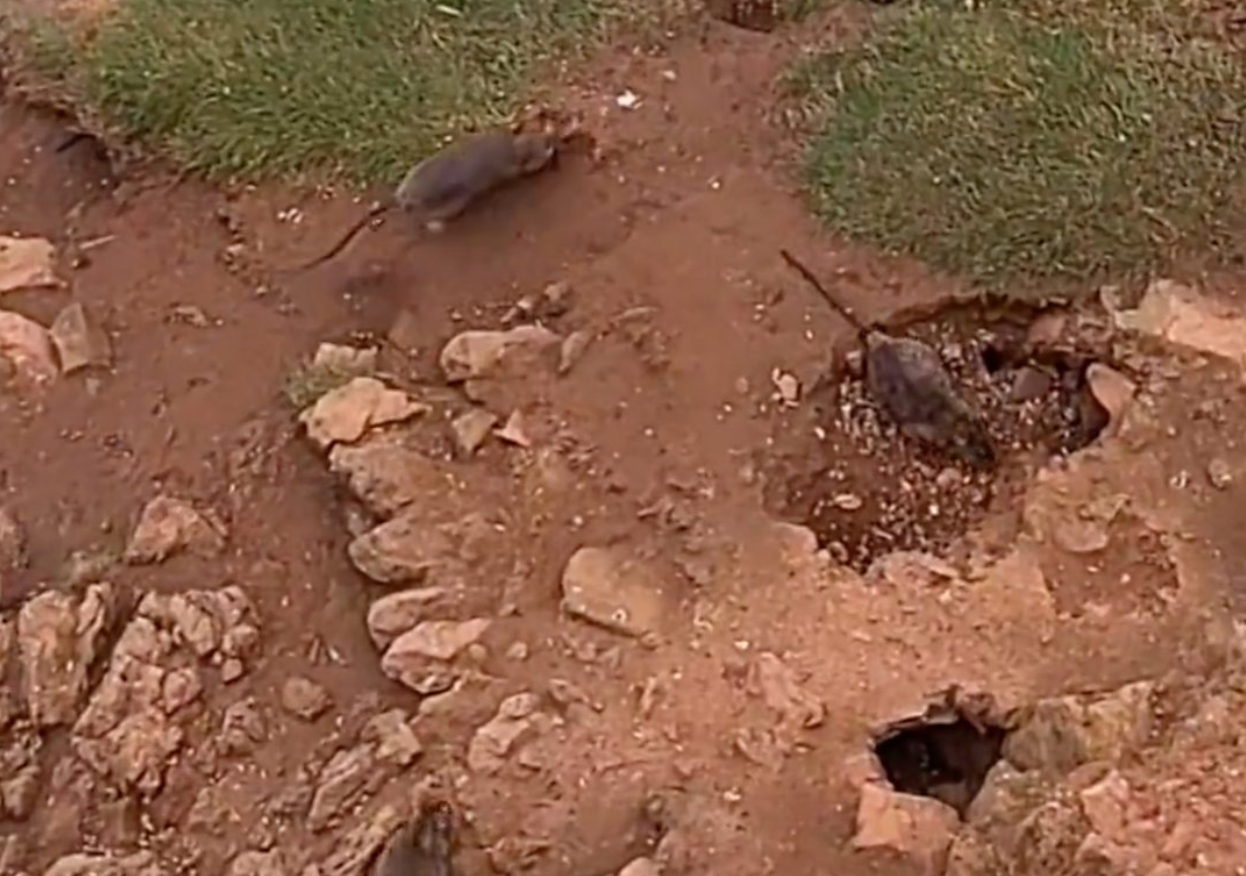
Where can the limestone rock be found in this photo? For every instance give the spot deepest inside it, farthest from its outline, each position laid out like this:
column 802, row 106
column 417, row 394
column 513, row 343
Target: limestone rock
column 495, row 740
column 305, row 698
column 253, row 863
column 1061, row 733
column 396, row 613
column 80, row 340
column 343, row 359
column 26, row 263
column 471, row 429
column 393, row 738
column 344, row 414
column 917, row 829
column 107, row 864
column 475, row 354
column 408, row 658
column 387, row 477
column 359, row 845
column 60, row 638
column 608, row 588
column 410, row 549
column 171, row 526
column 1113, row 390
column 343, row 780
column 26, row 348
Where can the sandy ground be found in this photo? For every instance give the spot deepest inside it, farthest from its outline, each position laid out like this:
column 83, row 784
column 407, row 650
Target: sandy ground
column 763, row 661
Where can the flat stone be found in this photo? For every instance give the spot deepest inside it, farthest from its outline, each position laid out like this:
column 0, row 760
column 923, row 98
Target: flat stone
column 27, row 349
column 471, row 429
column 396, row 613
column 606, row 587
column 170, row 526
column 475, row 354
column 80, row 340
column 918, row 829
column 344, row 414
column 304, row 698
column 27, row 263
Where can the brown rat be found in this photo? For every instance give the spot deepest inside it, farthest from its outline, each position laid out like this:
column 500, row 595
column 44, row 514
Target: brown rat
column 908, row 380
column 443, row 185
column 422, row 847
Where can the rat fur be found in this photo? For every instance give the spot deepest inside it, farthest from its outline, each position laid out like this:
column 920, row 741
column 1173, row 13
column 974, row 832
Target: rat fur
column 908, row 380
column 445, row 184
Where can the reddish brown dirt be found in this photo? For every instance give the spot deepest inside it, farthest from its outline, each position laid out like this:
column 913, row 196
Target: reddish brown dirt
column 685, row 215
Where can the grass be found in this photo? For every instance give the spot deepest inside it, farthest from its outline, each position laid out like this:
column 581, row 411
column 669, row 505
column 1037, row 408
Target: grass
column 358, row 88
column 1033, row 140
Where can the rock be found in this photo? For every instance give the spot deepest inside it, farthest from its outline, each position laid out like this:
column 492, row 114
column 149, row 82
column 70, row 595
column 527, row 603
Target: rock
column 918, row 829
column 471, row 429
column 242, row 728
column 641, row 867
column 252, row 863
column 107, row 864
column 1180, row 315
column 494, row 741
column 342, row 359
column 171, row 526
column 1028, row 384
column 1113, row 390
column 20, row 792
column 340, row 784
column 407, row 658
column 1007, row 795
column 605, row 587
column 27, row 348
column 1104, row 805
column 60, row 638
column 475, row 354
column 572, row 350
column 353, row 851
column 1219, row 475
column 515, row 431
column 26, row 263
column 1061, row 733
column 12, row 543
column 787, row 387
column 80, row 340
column 394, row 739
column 396, row 613
column 779, row 687
column 405, row 332
column 181, row 688
column 405, row 549
column 304, row 699
column 344, row 414
column 388, row 477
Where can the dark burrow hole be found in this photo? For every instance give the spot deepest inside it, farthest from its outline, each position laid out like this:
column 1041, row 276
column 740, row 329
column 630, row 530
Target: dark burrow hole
column 946, row 758
column 840, row 467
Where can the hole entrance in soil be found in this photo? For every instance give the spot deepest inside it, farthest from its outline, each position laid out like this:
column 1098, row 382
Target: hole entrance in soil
column 946, row 758
column 840, row 467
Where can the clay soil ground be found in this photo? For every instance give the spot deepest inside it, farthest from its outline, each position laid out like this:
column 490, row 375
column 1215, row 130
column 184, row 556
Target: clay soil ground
column 661, row 442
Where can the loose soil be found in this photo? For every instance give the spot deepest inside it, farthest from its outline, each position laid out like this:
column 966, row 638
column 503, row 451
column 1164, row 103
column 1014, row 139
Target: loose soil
column 660, row 440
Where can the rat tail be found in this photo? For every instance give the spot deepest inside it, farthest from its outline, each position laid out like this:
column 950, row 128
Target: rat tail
column 351, row 234
column 839, row 306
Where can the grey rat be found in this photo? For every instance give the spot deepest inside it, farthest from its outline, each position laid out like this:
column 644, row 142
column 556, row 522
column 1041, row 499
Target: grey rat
column 908, row 380
column 421, row 847
column 443, row 185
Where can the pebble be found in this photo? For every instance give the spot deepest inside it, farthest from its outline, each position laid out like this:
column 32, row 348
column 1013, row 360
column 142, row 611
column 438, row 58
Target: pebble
column 1219, row 473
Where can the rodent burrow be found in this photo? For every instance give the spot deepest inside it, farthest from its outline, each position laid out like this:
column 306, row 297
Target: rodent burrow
column 839, row 467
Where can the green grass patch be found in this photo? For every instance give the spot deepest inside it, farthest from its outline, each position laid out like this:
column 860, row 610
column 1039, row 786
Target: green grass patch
column 360, row 88
column 1030, row 141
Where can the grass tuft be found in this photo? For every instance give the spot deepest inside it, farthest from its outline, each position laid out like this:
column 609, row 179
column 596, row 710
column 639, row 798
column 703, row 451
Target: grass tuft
column 359, row 88
column 1030, row 141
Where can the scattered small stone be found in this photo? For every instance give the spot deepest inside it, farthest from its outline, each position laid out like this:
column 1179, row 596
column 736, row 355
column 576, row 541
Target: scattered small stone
column 471, row 429
column 27, row 348
column 344, row 414
column 494, row 741
column 848, row 502
column 573, row 348
column 26, row 263
column 515, row 431
column 475, row 354
column 191, row 315
column 608, row 588
column 787, row 386
column 252, row 863
column 304, row 698
column 517, row 652
column 107, row 864
column 80, row 340
column 1218, row 473
column 340, row 784
column 12, row 543
column 170, row 526
column 394, row 739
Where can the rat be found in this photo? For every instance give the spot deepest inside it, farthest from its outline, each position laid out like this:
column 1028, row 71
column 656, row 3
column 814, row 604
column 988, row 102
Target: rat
column 421, row 847
column 908, row 380
column 443, row 185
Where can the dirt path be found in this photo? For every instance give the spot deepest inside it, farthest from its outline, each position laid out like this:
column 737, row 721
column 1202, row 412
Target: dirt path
column 654, row 445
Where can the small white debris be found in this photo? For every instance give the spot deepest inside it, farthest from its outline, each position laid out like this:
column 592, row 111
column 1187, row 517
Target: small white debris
column 628, row 100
